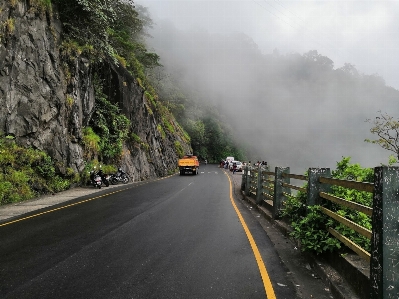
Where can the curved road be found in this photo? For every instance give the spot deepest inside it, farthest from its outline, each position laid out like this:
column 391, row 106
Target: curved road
column 177, row 237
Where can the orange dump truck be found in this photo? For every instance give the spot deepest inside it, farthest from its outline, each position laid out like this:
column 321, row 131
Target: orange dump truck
column 188, row 163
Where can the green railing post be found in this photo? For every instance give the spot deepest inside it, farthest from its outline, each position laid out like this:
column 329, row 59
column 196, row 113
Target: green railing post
column 315, row 187
column 384, row 263
column 259, row 187
column 248, row 182
column 279, row 197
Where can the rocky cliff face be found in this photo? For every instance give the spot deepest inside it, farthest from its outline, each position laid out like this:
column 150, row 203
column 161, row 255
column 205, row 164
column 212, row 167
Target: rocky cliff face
column 44, row 110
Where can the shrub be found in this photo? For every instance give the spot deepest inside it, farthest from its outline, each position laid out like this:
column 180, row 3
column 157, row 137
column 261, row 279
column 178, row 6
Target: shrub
column 295, row 207
column 161, row 131
column 179, row 149
column 111, row 127
column 121, row 60
column 6, row 158
column 347, row 171
column 10, row 26
column 41, row 6
column 26, row 173
column 69, row 101
column 46, row 168
column 58, row 184
column 149, row 110
column 91, row 142
column 13, row 3
column 151, row 99
column 168, row 125
column 6, row 189
column 135, row 138
column 310, row 224
column 312, row 233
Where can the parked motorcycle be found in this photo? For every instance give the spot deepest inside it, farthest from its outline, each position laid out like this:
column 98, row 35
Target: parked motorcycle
column 98, row 178
column 119, row 176
column 104, row 178
column 95, row 179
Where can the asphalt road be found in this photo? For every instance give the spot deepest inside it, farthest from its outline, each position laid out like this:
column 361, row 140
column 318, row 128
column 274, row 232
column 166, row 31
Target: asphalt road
column 178, row 237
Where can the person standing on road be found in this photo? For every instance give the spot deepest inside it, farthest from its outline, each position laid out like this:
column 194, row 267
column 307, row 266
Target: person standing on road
column 234, row 167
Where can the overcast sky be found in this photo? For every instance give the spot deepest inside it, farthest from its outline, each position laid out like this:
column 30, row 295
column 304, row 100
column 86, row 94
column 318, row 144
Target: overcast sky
column 319, row 128
column 363, row 33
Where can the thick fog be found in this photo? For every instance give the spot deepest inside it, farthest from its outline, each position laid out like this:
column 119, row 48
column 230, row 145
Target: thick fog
column 248, row 59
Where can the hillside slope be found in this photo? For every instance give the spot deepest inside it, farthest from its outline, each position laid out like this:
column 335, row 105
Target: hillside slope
column 47, row 109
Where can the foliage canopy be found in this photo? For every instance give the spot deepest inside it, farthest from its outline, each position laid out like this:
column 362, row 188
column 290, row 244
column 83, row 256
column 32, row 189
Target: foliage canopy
column 387, row 130
column 26, row 173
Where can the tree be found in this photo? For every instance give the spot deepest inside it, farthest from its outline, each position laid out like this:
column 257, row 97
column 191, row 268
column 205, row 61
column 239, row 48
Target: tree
column 349, row 69
column 196, row 130
column 319, row 59
column 88, row 21
column 387, row 129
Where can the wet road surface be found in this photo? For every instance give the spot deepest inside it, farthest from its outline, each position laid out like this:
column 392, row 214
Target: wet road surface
column 178, row 237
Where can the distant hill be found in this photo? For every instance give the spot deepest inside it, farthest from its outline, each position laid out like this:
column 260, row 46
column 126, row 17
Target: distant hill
column 293, row 110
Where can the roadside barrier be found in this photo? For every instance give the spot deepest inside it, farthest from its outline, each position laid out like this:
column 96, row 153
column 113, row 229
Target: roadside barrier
column 273, row 188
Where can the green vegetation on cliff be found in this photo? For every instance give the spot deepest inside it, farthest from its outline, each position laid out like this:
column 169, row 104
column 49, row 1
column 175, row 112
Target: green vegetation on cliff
column 26, row 173
column 115, row 30
column 111, row 125
column 112, row 32
column 107, row 30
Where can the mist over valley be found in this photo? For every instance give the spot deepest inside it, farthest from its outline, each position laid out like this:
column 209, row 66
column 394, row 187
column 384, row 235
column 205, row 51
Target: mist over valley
column 292, row 109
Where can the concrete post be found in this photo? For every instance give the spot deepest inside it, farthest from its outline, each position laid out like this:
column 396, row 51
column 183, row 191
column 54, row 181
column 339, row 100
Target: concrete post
column 244, row 178
column 265, row 178
column 278, row 197
column 248, row 182
column 315, row 187
column 384, row 263
column 259, row 187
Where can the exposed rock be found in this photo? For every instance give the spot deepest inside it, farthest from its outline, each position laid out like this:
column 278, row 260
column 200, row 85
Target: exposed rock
column 32, row 85
column 46, row 111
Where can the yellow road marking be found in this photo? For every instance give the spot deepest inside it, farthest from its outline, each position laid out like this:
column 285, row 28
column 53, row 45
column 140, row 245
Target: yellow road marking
column 60, row 208
column 262, row 268
column 76, row 203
